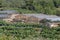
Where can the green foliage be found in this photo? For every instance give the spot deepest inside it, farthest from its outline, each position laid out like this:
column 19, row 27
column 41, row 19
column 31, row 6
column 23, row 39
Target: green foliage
column 32, row 6
column 20, row 31
column 52, row 33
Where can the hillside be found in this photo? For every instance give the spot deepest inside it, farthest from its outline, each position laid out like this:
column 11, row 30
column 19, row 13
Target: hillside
column 29, row 19
column 32, row 6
